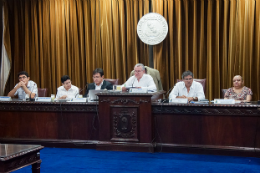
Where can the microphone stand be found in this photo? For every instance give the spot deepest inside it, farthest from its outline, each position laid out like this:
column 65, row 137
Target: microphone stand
column 30, row 98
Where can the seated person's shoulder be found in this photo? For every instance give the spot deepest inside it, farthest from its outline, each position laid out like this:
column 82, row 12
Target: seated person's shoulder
column 247, row 89
column 32, row 83
column 74, row 87
column 109, row 85
column 148, row 76
column 107, row 82
column 61, row 87
column 229, row 89
column 197, row 83
column 180, row 83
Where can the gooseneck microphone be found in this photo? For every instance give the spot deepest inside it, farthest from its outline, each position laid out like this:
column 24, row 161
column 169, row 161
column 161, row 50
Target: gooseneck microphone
column 133, row 83
column 81, row 90
column 170, row 90
column 167, row 100
column 30, row 98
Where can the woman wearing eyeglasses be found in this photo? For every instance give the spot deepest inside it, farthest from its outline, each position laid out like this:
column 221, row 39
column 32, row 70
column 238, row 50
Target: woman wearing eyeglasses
column 239, row 91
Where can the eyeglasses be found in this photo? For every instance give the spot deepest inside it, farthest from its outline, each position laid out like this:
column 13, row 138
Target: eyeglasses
column 187, row 79
column 24, row 77
column 138, row 71
column 96, row 77
column 237, row 80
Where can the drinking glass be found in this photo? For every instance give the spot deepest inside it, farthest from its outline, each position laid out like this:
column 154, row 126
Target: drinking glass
column 52, row 97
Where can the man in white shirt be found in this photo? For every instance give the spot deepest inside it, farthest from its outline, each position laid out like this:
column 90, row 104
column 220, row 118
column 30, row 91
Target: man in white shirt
column 140, row 79
column 188, row 88
column 67, row 90
column 25, row 86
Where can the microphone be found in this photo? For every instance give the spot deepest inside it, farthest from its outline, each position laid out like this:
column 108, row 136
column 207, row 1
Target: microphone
column 170, row 90
column 167, row 100
column 133, row 83
column 81, row 90
column 30, row 98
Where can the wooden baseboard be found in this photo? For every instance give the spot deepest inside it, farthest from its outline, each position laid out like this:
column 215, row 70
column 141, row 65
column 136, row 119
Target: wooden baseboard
column 140, row 147
column 123, row 146
column 208, row 149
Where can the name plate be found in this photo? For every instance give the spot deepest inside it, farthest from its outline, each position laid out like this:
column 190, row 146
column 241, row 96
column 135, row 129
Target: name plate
column 78, row 100
column 5, row 98
column 138, row 90
column 224, row 101
column 178, row 100
column 117, row 88
column 43, row 99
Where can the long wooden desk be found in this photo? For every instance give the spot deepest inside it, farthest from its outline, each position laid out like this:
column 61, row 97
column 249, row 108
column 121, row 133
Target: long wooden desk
column 135, row 123
column 217, row 129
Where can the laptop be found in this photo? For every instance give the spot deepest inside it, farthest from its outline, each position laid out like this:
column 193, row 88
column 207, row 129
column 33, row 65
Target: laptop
column 92, row 95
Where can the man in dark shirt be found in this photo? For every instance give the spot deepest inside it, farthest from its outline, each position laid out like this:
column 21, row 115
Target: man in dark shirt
column 99, row 82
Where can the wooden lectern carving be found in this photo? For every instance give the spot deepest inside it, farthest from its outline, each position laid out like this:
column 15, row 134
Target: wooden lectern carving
column 124, row 124
column 125, row 120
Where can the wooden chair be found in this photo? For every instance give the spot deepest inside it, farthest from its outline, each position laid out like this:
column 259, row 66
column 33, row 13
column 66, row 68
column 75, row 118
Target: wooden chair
column 42, row 92
column 113, row 81
column 202, row 81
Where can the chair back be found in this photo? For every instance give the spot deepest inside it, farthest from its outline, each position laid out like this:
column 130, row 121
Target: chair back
column 112, row 81
column 223, row 92
column 202, row 81
column 42, row 92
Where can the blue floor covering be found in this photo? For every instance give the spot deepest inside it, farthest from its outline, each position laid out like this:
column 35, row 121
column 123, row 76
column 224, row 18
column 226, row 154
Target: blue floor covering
column 68, row 160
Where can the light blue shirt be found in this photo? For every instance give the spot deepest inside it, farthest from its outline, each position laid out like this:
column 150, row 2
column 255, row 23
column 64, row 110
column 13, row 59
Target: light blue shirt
column 32, row 86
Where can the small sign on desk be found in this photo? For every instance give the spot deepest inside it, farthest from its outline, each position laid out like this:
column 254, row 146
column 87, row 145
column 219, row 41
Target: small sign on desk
column 224, row 101
column 178, row 100
column 78, row 100
column 138, row 90
column 43, row 99
column 5, row 98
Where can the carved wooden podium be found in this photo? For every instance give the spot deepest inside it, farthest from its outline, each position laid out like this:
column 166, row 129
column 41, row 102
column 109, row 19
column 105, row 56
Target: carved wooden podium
column 125, row 122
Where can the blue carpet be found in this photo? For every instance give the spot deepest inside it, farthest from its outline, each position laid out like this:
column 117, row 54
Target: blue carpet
column 67, row 160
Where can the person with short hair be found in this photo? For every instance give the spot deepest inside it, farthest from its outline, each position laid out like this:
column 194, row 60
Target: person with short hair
column 155, row 74
column 140, row 79
column 239, row 91
column 188, row 88
column 99, row 82
column 67, row 90
column 25, row 86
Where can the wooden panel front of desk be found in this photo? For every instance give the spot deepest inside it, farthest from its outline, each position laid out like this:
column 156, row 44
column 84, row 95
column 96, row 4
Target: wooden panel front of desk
column 49, row 124
column 125, row 118
column 220, row 129
column 133, row 123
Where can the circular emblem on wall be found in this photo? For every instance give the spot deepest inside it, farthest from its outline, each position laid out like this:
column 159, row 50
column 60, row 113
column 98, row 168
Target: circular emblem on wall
column 152, row 28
